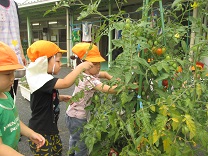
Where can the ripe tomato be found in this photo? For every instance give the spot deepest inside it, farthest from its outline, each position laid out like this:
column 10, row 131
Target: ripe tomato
column 165, row 82
column 159, row 51
column 113, row 153
column 179, row 69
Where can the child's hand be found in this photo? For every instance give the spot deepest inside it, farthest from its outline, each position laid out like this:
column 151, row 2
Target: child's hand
column 65, row 98
column 38, row 139
column 86, row 65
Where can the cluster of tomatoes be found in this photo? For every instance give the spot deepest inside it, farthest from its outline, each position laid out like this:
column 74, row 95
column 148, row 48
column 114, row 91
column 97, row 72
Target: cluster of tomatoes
column 159, row 51
column 156, row 48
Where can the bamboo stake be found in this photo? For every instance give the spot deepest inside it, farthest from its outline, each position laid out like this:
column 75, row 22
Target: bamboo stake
column 162, row 21
column 193, row 34
column 139, row 103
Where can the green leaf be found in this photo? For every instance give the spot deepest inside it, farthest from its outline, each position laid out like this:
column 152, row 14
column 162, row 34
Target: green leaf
column 90, row 141
column 191, row 125
column 175, row 125
column 89, row 126
column 198, row 90
column 117, row 43
column 124, row 98
column 128, row 76
column 166, row 145
column 155, row 136
column 205, row 27
column 165, row 66
column 159, row 66
column 154, row 70
column 130, row 130
column 162, row 77
column 175, row 3
column 98, row 134
column 119, row 25
column 143, row 62
column 161, row 121
column 184, row 46
column 111, row 119
column 132, row 153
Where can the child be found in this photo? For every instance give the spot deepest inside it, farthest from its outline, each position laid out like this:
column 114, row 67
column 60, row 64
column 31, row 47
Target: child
column 45, row 59
column 11, row 126
column 76, row 116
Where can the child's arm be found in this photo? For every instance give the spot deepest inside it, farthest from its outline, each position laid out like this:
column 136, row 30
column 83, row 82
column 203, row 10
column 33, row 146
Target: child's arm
column 7, row 151
column 71, row 77
column 105, row 88
column 38, row 139
column 104, row 74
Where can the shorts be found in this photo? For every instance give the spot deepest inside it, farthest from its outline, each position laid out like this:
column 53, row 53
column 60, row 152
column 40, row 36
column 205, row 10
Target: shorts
column 52, row 146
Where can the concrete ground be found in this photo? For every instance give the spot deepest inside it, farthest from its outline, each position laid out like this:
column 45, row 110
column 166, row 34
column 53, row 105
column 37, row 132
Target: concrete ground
column 25, row 113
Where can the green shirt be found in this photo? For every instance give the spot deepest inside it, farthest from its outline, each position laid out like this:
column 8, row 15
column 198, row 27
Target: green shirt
column 9, row 122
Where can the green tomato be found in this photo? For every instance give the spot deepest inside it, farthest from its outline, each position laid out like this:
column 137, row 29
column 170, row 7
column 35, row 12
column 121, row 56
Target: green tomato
column 155, row 43
column 194, row 48
column 185, row 130
column 167, row 57
column 174, row 65
column 128, row 20
column 96, row 97
column 150, row 43
column 163, row 50
column 143, row 93
column 127, row 26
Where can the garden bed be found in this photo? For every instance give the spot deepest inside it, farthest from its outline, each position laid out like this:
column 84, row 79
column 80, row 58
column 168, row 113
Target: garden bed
column 25, row 92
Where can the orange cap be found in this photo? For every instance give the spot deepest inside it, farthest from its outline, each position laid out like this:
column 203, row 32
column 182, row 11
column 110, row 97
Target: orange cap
column 43, row 48
column 8, row 58
column 88, row 52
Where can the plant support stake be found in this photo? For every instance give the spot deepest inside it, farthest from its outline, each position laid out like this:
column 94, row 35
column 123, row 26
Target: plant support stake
column 162, row 21
column 139, row 103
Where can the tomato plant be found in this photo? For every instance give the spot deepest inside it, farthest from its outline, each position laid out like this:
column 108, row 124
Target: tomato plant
column 152, row 120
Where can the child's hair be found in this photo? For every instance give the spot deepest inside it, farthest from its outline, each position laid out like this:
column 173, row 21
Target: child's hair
column 78, row 60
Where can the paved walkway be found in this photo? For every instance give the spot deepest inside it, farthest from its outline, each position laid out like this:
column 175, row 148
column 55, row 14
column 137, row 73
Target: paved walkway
column 25, row 113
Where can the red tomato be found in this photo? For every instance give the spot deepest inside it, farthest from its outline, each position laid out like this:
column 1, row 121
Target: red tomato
column 165, row 82
column 159, row 51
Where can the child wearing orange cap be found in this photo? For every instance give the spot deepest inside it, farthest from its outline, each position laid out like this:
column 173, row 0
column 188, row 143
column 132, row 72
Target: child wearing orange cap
column 45, row 59
column 11, row 126
column 76, row 115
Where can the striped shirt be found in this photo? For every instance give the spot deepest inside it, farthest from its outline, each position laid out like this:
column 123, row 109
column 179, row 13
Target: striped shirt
column 77, row 109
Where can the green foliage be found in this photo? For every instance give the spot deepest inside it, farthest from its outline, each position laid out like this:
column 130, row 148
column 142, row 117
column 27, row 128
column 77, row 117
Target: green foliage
column 173, row 119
